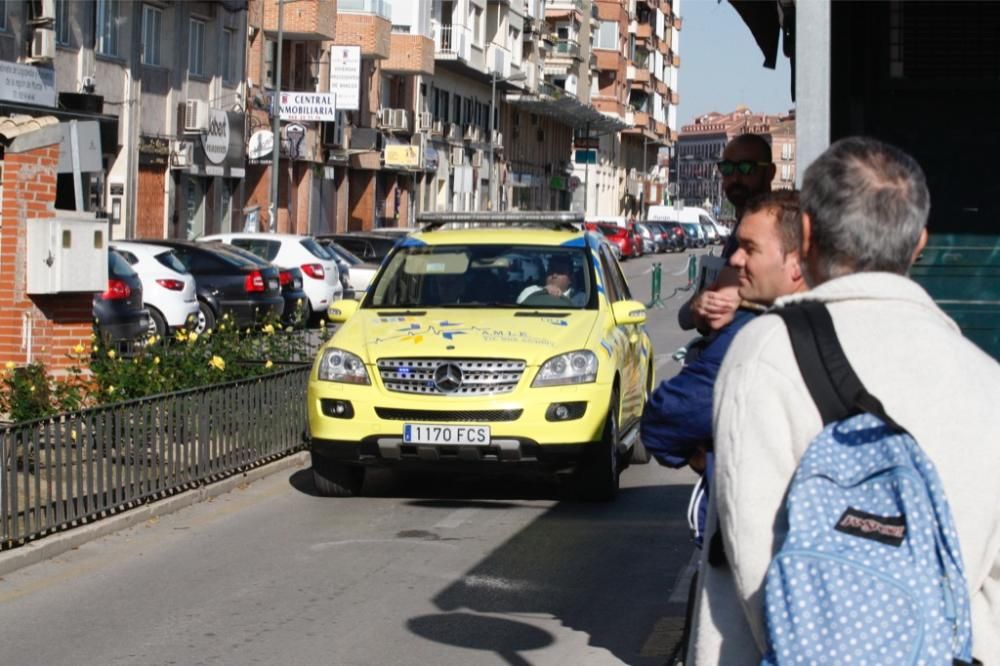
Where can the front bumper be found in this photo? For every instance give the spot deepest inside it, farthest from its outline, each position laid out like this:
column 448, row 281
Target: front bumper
column 369, row 438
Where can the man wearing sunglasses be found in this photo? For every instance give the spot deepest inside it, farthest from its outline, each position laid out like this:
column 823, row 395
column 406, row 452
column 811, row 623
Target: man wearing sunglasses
column 747, row 171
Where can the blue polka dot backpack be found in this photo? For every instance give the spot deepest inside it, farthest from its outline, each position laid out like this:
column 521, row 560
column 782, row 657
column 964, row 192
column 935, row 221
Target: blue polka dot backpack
column 870, row 570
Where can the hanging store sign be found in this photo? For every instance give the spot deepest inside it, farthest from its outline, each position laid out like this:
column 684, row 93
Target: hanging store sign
column 261, row 145
column 345, row 76
column 307, row 107
column 153, row 151
column 402, row 156
column 26, row 84
column 215, row 139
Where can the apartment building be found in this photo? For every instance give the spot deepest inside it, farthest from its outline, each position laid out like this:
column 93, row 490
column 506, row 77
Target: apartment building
column 156, row 89
column 634, row 81
column 701, row 144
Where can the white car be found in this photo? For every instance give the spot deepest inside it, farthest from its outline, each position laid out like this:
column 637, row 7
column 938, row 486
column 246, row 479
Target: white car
column 360, row 272
column 320, row 277
column 168, row 289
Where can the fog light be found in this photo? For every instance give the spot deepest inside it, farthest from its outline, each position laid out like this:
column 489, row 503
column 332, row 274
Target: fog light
column 565, row 411
column 337, row 409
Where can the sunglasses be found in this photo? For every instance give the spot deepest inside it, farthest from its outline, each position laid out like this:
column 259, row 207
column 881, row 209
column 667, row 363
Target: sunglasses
column 746, row 167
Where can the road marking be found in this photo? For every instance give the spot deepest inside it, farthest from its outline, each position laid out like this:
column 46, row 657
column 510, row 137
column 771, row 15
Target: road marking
column 455, row 519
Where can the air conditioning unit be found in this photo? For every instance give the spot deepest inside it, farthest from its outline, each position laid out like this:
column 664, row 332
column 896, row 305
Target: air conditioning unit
column 400, row 120
column 471, row 133
column 43, row 44
column 454, row 132
column 195, row 115
column 385, row 118
column 424, row 121
column 497, row 138
column 43, row 12
column 437, row 127
column 457, row 156
column 477, row 159
column 181, row 153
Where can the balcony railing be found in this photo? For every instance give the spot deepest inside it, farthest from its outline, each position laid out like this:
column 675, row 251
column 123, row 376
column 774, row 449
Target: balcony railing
column 381, row 8
column 452, row 41
column 567, row 47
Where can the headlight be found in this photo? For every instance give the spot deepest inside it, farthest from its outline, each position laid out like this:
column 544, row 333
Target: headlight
column 578, row 367
column 338, row 365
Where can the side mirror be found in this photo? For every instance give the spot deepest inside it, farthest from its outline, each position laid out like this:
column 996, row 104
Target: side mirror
column 342, row 310
column 629, row 312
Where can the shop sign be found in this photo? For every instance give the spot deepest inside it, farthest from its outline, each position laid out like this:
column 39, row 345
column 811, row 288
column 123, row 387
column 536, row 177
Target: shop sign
column 293, row 147
column 307, row 107
column 154, row 151
column 261, row 146
column 216, row 138
column 345, row 76
column 26, row 84
column 402, row 156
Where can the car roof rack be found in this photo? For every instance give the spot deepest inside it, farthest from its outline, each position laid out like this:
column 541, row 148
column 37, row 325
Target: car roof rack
column 557, row 220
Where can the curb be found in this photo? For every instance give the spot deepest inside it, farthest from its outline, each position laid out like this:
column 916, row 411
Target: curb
column 56, row 544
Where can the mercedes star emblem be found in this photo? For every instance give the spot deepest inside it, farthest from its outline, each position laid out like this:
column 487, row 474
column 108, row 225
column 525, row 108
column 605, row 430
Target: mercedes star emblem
column 448, row 377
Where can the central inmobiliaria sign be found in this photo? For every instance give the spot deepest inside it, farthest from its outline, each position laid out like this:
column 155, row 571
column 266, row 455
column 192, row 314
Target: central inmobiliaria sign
column 306, row 107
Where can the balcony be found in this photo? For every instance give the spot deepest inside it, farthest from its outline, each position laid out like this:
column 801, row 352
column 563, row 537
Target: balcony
column 643, row 31
column 306, row 20
column 367, row 28
column 566, row 48
column 608, row 60
column 410, row 54
column 452, row 42
column 498, row 59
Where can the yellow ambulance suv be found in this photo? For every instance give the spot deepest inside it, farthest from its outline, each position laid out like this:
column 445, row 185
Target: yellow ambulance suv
column 490, row 341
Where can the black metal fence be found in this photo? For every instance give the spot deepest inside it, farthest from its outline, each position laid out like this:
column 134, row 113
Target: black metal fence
column 77, row 467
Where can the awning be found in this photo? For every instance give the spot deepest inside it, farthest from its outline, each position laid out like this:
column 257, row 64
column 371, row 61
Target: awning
column 770, row 21
column 568, row 110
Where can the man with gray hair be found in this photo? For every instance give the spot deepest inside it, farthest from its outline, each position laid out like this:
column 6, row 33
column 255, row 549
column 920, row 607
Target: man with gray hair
column 865, row 208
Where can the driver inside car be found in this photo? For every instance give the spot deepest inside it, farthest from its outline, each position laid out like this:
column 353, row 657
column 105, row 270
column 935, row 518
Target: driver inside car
column 558, row 283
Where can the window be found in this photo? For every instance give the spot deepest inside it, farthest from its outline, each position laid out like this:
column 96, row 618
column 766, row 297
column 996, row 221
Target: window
column 786, row 151
column 3, row 14
column 477, row 26
column 196, row 51
column 228, row 44
column 62, row 22
column 607, row 35
column 270, row 56
column 152, row 22
column 786, row 172
column 107, row 27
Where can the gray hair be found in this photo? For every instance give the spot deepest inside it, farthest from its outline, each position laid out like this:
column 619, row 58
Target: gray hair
column 868, row 202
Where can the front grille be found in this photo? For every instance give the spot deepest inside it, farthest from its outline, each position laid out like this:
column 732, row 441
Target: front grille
column 479, row 376
column 437, row 416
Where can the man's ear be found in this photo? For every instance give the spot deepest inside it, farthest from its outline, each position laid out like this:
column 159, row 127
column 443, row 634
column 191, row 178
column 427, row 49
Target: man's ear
column 921, row 244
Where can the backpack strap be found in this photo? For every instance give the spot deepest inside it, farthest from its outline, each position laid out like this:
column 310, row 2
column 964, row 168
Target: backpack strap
column 834, row 386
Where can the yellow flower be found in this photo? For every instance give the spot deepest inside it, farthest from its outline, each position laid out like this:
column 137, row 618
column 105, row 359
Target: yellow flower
column 218, row 363
column 222, row 327
column 268, row 329
column 32, row 388
column 322, row 323
column 192, row 336
column 288, row 329
column 156, row 360
column 181, row 335
column 78, row 349
column 298, row 301
column 111, row 389
column 72, row 435
column 268, row 364
column 10, row 365
column 111, row 353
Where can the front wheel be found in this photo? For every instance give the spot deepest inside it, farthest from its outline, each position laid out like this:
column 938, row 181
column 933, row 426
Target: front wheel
column 206, row 318
column 598, row 474
column 334, row 479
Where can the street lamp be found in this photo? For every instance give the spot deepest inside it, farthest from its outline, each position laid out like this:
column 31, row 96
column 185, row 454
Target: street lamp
column 276, row 122
column 494, row 77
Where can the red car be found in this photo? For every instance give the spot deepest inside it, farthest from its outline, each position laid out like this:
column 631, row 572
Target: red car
column 626, row 238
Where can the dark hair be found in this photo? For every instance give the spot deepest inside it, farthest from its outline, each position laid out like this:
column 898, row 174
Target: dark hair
column 756, row 141
column 785, row 206
column 868, row 203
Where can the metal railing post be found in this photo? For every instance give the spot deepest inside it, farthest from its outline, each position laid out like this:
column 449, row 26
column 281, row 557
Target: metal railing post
column 657, row 282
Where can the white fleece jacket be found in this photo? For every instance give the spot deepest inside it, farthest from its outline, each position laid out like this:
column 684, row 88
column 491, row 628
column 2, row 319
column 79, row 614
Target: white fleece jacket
column 933, row 381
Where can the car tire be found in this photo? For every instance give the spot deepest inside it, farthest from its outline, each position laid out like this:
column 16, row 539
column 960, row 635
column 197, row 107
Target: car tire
column 598, row 474
column 333, row 479
column 205, row 319
column 157, row 324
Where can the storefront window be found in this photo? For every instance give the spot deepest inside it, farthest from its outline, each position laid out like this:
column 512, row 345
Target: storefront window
column 226, row 207
column 195, row 204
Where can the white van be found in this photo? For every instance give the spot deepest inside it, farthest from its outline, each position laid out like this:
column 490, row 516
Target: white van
column 686, row 215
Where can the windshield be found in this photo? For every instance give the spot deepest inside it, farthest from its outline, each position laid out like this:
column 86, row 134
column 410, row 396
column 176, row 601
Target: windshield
column 470, row 276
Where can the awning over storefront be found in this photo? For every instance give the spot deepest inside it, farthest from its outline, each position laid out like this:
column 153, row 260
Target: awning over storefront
column 568, row 110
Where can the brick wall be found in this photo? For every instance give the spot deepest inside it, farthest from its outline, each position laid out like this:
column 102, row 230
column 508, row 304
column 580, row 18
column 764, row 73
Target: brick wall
column 410, row 54
column 371, row 32
column 150, row 203
column 52, row 324
column 313, row 17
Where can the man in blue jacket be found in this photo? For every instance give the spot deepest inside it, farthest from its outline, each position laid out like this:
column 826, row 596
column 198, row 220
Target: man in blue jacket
column 677, row 421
